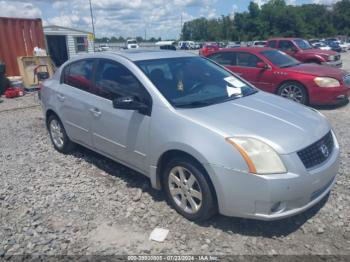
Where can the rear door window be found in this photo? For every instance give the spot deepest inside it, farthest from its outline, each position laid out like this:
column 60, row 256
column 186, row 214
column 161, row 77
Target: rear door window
column 79, row 74
column 224, row 58
column 286, row 45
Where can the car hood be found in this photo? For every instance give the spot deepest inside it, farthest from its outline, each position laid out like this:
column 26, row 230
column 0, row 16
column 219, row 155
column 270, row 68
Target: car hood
column 318, row 70
column 319, row 52
column 285, row 125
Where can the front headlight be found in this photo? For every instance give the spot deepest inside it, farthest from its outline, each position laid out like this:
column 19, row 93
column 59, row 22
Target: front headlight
column 260, row 157
column 326, row 82
column 331, row 58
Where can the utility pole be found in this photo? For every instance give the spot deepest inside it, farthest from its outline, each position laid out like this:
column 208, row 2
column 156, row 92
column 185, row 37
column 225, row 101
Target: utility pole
column 181, row 27
column 93, row 25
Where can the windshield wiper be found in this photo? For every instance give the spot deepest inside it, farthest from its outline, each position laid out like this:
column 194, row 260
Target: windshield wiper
column 194, row 104
column 213, row 101
column 290, row 65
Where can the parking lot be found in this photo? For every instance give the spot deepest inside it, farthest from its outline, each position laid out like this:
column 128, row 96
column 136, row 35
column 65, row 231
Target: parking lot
column 83, row 203
column 346, row 61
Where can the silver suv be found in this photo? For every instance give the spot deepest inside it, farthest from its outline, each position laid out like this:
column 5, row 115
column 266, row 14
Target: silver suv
column 205, row 136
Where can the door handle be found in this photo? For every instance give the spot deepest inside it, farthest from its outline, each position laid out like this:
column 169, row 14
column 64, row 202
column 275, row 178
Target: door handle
column 60, row 97
column 96, row 112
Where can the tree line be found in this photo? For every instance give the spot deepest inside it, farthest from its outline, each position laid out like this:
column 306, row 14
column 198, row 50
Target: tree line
column 121, row 39
column 275, row 18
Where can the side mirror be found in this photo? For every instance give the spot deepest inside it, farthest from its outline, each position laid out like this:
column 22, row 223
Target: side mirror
column 262, row 65
column 130, row 103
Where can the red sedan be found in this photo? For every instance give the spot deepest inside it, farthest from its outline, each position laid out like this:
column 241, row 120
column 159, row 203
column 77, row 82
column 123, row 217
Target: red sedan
column 208, row 49
column 276, row 72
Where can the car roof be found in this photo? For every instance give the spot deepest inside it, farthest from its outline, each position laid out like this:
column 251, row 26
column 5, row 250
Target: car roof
column 283, row 38
column 139, row 54
column 245, row 49
column 152, row 54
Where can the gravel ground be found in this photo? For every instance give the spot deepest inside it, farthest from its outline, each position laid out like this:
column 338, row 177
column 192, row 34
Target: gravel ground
column 83, row 203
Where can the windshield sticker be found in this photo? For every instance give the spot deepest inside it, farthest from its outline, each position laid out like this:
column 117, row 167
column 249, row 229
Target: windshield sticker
column 234, row 82
column 233, row 91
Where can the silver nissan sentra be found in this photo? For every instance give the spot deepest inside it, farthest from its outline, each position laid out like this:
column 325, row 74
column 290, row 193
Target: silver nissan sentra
column 209, row 139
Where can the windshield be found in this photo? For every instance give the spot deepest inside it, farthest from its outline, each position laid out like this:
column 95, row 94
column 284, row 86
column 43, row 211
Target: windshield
column 132, row 42
column 303, row 44
column 280, row 59
column 194, row 81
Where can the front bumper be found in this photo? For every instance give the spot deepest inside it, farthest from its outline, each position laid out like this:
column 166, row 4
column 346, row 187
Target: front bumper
column 329, row 96
column 337, row 63
column 276, row 196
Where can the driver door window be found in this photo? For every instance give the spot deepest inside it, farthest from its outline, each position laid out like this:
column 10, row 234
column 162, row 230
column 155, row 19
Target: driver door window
column 286, row 46
column 224, row 58
column 246, row 67
column 247, row 60
column 114, row 80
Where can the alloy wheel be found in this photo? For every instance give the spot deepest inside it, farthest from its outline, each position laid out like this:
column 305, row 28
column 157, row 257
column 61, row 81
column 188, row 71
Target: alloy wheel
column 294, row 93
column 57, row 133
column 185, row 189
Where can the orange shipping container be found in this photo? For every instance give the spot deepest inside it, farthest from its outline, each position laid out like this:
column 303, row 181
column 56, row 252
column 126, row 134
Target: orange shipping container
column 18, row 37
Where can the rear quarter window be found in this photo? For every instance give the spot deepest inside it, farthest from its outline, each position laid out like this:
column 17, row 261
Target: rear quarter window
column 272, row 44
column 79, row 74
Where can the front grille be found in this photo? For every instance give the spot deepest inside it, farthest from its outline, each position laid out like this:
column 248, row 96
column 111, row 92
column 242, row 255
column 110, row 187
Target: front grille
column 318, row 152
column 347, row 80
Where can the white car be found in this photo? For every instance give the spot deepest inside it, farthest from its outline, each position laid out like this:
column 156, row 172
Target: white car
column 321, row 45
column 186, row 45
column 258, row 43
column 103, row 47
column 131, row 44
column 344, row 46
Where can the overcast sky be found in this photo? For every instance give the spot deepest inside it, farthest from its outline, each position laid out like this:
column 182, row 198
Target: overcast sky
column 127, row 17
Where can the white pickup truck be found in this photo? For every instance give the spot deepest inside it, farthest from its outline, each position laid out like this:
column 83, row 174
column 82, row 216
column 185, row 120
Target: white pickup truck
column 131, row 44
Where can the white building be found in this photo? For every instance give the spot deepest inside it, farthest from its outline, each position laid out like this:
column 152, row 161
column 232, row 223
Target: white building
column 64, row 43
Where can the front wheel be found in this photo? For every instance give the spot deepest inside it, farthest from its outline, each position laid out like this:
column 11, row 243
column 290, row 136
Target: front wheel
column 188, row 190
column 58, row 135
column 293, row 91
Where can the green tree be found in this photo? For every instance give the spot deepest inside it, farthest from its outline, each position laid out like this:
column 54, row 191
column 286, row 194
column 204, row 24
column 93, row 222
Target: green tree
column 341, row 18
column 275, row 18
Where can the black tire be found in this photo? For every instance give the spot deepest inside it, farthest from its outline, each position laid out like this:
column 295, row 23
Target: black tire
column 67, row 144
column 4, row 84
column 300, row 94
column 208, row 206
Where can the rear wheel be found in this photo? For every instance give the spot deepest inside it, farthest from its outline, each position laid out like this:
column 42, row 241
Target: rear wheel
column 294, row 91
column 188, row 189
column 58, row 135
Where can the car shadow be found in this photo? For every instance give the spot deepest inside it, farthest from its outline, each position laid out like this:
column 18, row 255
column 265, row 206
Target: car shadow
column 242, row 226
column 332, row 107
column 132, row 178
column 268, row 229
